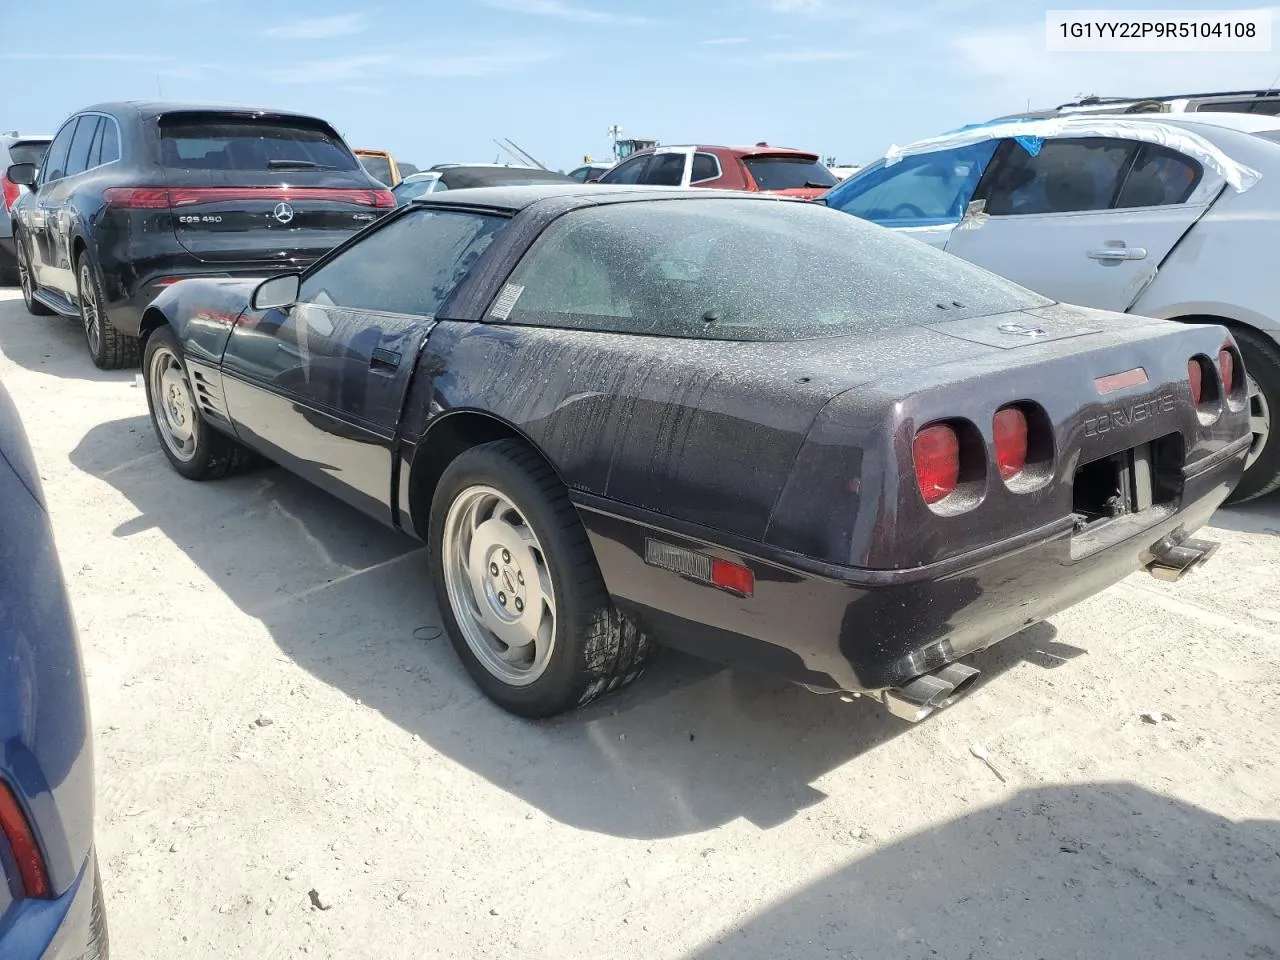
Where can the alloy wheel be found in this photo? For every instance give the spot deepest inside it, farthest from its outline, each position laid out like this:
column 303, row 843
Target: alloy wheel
column 172, row 405
column 89, row 311
column 24, row 274
column 1259, row 422
column 499, row 585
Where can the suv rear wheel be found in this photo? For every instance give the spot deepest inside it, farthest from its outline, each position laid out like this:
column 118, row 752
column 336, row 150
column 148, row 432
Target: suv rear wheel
column 109, row 348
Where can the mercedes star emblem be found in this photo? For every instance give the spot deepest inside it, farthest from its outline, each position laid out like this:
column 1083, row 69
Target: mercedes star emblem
column 283, row 212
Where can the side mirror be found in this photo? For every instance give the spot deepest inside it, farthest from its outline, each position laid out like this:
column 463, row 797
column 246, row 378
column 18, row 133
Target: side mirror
column 23, row 174
column 593, row 180
column 281, row 291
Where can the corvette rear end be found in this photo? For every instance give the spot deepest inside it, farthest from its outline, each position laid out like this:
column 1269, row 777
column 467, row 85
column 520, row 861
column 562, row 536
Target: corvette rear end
column 948, row 503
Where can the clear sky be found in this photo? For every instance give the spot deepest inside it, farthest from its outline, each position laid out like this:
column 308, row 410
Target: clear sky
column 437, row 80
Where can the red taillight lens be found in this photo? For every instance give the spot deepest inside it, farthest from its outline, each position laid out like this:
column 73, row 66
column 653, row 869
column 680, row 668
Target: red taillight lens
column 137, row 198
column 161, row 198
column 11, row 192
column 936, row 451
column 26, row 852
column 1195, row 373
column 1227, row 367
column 730, row 576
column 1010, row 431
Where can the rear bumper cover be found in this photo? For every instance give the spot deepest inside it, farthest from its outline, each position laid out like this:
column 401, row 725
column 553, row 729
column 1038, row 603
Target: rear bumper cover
column 52, row 929
column 865, row 630
column 129, row 294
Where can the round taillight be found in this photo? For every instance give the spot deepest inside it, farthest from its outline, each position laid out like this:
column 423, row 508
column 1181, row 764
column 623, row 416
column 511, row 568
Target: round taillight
column 1227, row 368
column 1010, row 431
column 936, row 452
column 1195, row 373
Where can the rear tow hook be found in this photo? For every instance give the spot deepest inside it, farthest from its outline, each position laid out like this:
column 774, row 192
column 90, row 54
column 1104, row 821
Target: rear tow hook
column 1173, row 559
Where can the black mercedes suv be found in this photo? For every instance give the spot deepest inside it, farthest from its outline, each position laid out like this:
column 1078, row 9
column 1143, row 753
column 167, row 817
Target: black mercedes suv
column 133, row 197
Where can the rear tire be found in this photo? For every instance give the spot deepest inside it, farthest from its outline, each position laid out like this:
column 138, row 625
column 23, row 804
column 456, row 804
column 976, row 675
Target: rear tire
column 26, row 281
column 99, row 946
column 510, row 557
column 1262, row 363
column 109, row 348
column 193, row 448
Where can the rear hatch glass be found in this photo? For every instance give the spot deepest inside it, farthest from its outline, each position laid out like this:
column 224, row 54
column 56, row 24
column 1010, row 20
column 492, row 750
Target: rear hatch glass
column 789, row 173
column 28, row 151
column 247, row 188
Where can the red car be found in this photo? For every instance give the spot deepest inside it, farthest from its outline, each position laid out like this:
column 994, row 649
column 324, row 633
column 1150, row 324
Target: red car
column 760, row 169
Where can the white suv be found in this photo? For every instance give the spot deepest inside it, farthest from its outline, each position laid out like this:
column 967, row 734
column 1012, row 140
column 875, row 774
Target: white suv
column 1175, row 216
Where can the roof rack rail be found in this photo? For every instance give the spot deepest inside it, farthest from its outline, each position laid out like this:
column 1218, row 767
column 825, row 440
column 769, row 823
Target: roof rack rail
column 1091, row 101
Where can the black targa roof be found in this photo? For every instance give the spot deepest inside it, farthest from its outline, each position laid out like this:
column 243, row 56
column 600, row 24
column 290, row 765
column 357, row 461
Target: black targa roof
column 460, row 178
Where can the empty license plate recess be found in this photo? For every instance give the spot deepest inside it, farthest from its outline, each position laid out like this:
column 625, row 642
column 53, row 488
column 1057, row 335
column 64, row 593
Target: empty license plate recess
column 1131, row 483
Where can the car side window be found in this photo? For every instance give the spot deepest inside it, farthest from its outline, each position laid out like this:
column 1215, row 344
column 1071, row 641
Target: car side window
column 1068, row 175
column 923, row 188
column 580, row 174
column 705, row 167
column 665, row 170
column 95, row 148
column 78, row 156
column 109, row 140
column 55, row 161
column 629, row 172
column 1159, row 177
column 410, row 266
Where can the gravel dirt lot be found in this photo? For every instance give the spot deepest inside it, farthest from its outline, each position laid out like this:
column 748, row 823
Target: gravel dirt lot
column 276, row 713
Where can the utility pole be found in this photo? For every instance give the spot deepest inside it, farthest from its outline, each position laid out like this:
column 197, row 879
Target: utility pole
column 614, row 132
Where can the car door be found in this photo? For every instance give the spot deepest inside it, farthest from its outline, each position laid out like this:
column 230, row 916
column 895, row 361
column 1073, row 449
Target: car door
column 1085, row 219
column 923, row 195
column 319, row 385
column 37, row 224
column 60, row 212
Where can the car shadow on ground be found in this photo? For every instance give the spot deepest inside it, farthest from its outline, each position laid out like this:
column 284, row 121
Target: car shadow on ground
column 1100, row 870
column 1253, row 516
column 54, row 345
column 690, row 746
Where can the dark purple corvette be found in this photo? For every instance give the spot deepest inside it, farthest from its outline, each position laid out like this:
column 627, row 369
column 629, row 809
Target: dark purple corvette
column 755, row 429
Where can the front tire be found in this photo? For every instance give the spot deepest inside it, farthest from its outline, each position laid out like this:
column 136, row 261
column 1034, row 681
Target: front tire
column 519, row 588
column 109, row 348
column 193, row 448
column 1262, row 364
column 26, row 280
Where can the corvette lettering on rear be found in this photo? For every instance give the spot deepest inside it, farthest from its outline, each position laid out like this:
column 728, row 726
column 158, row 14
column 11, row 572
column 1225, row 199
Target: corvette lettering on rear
column 1127, row 416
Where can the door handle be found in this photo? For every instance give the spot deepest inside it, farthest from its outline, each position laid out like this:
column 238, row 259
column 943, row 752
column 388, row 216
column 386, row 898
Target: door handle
column 1117, row 252
column 385, row 360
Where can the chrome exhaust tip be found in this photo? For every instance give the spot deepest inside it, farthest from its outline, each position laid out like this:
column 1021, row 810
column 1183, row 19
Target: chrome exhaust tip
column 1173, row 560
column 929, row 692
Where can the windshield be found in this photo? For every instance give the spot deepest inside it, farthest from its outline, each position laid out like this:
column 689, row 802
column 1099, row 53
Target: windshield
column 378, row 167
column 229, row 143
column 788, row 173
column 729, row 269
column 28, row 151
